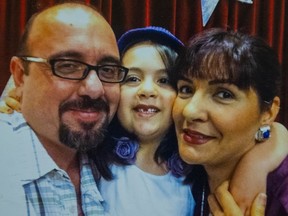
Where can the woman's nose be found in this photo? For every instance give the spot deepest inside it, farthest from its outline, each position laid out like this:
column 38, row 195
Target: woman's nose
column 197, row 108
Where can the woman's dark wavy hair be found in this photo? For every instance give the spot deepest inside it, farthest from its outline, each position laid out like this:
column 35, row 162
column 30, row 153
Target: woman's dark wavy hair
column 241, row 59
column 104, row 155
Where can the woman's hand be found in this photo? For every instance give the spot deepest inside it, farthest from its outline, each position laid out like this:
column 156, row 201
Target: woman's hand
column 10, row 103
column 222, row 203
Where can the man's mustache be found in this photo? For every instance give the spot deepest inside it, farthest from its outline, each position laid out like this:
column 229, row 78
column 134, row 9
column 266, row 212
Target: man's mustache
column 85, row 103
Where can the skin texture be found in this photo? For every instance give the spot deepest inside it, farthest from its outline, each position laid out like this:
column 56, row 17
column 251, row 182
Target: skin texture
column 145, row 107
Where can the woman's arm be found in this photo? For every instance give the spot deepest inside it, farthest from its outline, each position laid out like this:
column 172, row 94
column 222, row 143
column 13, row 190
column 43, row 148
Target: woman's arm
column 249, row 178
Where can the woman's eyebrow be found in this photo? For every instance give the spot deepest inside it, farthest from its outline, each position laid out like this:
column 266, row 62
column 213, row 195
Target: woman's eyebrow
column 219, row 81
column 184, row 78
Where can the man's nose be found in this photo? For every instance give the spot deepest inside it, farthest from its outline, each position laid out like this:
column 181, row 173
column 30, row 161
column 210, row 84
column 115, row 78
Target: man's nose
column 92, row 86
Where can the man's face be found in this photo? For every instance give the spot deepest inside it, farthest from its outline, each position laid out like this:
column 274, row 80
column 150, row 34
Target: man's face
column 70, row 111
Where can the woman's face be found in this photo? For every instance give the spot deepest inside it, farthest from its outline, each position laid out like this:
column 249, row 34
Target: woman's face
column 215, row 121
column 145, row 107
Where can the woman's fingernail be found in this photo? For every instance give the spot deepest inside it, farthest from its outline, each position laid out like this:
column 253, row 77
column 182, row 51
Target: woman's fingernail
column 262, row 198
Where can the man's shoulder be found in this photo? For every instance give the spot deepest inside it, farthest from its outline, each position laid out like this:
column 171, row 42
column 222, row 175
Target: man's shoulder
column 12, row 121
column 13, row 130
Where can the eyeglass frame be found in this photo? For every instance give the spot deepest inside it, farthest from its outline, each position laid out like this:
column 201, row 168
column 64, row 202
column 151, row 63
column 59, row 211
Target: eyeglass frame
column 89, row 67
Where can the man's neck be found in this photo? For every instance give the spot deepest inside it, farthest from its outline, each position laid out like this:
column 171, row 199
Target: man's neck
column 67, row 159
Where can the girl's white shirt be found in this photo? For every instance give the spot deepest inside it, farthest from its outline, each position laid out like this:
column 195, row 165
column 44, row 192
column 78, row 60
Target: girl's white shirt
column 134, row 192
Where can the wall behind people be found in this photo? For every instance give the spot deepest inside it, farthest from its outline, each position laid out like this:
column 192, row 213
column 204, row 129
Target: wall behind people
column 265, row 18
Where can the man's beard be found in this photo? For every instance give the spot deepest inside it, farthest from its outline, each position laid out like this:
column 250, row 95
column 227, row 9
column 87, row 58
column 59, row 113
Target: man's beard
column 82, row 140
column 87, row 137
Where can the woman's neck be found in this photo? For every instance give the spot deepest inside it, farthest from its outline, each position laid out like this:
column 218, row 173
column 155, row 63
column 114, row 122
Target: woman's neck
column 219, row 173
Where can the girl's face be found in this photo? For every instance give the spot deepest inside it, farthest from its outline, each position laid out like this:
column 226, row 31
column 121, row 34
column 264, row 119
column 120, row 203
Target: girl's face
column 215, row 121
column 145, row 107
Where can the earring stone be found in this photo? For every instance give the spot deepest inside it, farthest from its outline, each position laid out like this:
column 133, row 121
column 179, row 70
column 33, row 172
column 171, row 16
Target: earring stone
column 263, row 133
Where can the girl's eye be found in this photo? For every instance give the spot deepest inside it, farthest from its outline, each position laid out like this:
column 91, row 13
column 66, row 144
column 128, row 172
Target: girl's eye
column 132, row 79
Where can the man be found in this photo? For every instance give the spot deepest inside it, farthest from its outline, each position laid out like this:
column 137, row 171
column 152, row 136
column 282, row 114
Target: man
column 67, row 73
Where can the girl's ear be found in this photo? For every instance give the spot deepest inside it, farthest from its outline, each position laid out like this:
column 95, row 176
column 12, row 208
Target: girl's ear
column 18, row 72
column 270, row 115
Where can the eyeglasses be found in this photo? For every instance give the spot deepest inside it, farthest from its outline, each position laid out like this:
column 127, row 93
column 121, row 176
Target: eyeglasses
column 77, row 70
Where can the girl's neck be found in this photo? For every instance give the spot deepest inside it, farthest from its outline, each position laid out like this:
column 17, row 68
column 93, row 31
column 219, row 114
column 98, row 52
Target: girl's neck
column 145, row 159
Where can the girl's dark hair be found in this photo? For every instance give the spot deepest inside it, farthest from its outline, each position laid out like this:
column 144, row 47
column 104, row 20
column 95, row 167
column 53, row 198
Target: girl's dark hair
column 104, row 155
column 241, row 59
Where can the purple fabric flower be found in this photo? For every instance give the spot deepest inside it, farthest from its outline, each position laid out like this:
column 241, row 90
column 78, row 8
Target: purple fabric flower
column 126, row 149
column 176, row 165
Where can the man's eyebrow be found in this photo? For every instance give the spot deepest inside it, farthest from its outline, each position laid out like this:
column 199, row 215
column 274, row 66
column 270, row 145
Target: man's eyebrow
column 67, row 54
column 79, row 56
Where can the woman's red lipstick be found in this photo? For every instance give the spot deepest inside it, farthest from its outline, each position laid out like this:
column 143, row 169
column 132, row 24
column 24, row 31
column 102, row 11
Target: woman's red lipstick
column 194, row 137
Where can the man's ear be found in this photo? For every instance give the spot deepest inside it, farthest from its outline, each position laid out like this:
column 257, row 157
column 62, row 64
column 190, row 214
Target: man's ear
column 18, row 72
column 270, row 115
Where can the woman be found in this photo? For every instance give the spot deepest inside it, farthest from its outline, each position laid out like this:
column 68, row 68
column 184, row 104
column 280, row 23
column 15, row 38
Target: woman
column 228, row 96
